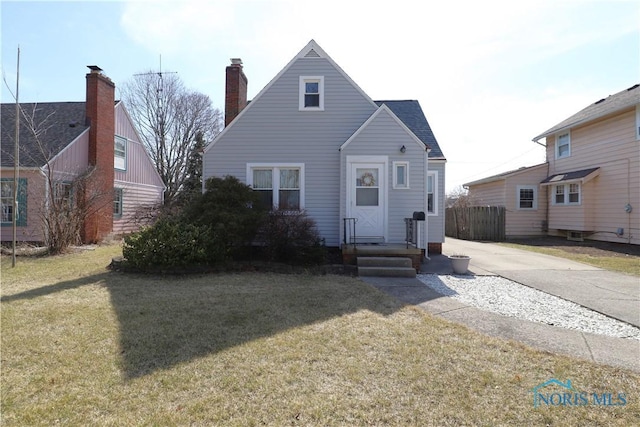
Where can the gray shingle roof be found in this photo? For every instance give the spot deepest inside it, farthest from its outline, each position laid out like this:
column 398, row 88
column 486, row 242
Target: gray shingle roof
column 503, row 175
column 58, row 124
column 569, row 176
column 619, row 101
column 411, row 114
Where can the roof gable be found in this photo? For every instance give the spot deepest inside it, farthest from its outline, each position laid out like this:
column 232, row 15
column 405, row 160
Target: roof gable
column 58, row 124
column 311, row 51
column 411, row 114
column 611, row 104
column 384, row 110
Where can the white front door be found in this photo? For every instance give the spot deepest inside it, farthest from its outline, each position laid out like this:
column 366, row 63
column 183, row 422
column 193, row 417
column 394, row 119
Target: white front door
column 367, row 196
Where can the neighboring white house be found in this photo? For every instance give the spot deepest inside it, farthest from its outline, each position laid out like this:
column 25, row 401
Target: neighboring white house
column 312, row 140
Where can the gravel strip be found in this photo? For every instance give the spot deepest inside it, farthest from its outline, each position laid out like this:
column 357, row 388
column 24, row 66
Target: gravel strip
column 509, row 298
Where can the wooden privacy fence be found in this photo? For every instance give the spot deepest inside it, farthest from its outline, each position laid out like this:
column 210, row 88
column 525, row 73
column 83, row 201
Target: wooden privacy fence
column 476, row 223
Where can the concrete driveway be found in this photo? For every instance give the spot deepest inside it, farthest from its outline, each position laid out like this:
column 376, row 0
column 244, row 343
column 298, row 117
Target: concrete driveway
column 616, row 295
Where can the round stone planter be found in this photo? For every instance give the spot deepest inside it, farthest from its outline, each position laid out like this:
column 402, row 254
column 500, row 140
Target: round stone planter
column 460, row 263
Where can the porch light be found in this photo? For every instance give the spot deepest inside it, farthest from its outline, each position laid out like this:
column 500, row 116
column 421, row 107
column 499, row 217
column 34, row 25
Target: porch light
column 403, row 149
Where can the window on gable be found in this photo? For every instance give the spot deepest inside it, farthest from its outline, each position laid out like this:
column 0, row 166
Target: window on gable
column 6, row 202
column 567, row 194
column 563, row 145
column 432, row 193
column 527, row 197
column 120, row 153
column 117, row 202
column 280, row 186
column 311, row 93
column 400, row 175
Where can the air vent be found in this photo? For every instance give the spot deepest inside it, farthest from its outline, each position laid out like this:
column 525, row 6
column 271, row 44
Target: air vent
column 312, row 54
column 601, row 101
column 633, row 87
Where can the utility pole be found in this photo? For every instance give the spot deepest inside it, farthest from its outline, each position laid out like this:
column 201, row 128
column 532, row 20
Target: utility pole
column 16, row 164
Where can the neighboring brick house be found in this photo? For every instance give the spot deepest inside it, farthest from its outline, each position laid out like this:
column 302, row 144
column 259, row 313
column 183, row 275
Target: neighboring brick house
column 74, row 136
column 313, row 141
column 589, row 187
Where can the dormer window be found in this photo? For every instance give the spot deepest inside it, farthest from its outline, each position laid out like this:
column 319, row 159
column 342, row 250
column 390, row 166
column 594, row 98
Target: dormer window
column 311, row 93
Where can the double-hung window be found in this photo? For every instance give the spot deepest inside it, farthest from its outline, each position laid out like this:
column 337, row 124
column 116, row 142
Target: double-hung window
column 120, row 153
column 432, row 194
column 280, row 186
column 567, row 194
column 7, row 211
column 311, row 93
column 563, row 145
column 527, row 197
column 117, row 202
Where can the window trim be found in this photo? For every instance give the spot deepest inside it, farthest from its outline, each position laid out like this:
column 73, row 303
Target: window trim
column 21, row 220
column 434, row 174
column 638, row 122
column 275, row 167
column 396, row 185
column 568, row 144
column 534, row 206
column 118, row 191
column 566, row 188
column 302, row 92
column 124, row 158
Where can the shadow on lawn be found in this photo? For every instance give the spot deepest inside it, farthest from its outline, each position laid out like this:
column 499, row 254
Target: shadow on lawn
column 167, row 321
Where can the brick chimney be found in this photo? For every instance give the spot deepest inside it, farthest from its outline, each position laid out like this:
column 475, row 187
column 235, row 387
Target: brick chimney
column 99, row 193
column 236, row 91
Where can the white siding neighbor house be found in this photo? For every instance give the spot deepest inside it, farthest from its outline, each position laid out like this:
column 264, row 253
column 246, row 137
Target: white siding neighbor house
column 313, row 141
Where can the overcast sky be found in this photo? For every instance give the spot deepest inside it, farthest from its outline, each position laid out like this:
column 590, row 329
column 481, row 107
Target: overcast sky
column 490, row 75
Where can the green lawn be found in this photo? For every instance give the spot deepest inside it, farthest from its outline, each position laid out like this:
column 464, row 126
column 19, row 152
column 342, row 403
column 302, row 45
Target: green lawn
column 85, row 346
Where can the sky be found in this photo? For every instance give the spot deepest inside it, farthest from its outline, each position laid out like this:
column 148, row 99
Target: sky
column 490, row 75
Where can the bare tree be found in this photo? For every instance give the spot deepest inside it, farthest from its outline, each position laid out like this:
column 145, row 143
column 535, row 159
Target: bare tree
column 70, row 196
column 459, row 197
column 169, row 118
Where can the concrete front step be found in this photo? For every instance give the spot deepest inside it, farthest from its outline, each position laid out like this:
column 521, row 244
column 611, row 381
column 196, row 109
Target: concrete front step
column 387, row 271
column 385, row 267
column 379, row 261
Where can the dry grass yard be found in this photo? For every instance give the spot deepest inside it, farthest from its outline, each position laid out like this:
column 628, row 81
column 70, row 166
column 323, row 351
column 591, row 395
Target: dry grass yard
column 82, row 345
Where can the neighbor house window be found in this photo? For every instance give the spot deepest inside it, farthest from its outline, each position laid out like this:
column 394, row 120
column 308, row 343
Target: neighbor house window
column 280, row 186
column 637, row 121
column 400, row 175
column 567, row 194
column 63, row 193
column 432, row 193
column 6, row 202
column 563, row 145
column 117, row 202
column 311, row 93
column 120, row 153
column 527, row 197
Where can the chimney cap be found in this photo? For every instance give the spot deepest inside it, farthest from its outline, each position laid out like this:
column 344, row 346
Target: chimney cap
column 94, row 68
column 236, row 61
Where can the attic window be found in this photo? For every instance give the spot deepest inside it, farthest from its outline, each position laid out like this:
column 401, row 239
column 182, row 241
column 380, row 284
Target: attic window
column 120, row 153
column 311, row 93
column 563, row 145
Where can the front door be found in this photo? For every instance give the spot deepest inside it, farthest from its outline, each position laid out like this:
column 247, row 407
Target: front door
column 367, row 201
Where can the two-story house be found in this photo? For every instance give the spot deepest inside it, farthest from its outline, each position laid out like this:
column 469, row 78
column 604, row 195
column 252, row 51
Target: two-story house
column 312, row 140
column 58, row 141
column 589, row 187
